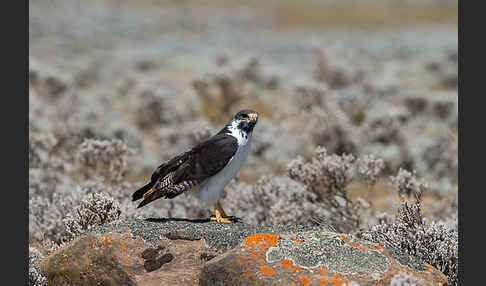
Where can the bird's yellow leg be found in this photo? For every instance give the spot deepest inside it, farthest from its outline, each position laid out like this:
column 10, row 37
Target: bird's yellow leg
column 220, row 214
column 220, row 209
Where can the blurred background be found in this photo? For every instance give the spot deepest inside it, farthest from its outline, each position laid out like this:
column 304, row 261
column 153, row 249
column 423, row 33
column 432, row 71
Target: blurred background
column 117, row 87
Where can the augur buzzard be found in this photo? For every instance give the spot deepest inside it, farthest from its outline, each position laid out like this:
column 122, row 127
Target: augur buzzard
column 206, row 168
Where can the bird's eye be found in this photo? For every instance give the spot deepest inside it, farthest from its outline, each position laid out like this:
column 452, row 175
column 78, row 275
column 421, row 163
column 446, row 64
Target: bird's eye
column 244, row 115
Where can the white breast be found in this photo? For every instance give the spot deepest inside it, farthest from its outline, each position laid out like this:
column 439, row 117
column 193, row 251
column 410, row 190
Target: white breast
column 211, row 192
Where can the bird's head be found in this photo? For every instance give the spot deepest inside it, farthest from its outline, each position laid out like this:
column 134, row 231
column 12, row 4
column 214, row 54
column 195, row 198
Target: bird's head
column 245, row 120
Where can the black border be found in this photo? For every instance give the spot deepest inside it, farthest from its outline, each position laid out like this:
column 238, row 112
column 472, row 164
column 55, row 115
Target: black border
column 464, row 89
column 15, row 125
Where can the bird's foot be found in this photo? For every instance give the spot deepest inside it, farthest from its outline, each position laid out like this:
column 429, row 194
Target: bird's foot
column 220, row 219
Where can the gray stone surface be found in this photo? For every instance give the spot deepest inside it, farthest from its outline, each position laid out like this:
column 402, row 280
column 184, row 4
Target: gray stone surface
column 218, row 236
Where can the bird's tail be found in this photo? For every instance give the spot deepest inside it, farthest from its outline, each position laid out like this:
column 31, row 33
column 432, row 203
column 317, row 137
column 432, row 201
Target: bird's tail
column 150, row 196
column 141, row 192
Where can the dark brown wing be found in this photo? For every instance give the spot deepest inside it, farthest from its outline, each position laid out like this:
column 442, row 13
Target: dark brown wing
column 189, row 168
column 207, row 158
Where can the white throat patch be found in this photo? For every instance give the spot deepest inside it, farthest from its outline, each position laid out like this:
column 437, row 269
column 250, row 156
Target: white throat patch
column 239, row 134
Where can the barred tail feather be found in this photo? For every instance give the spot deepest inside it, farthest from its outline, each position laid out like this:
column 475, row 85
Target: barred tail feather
column 140, row 192
column 150, row 198
column 151, row 192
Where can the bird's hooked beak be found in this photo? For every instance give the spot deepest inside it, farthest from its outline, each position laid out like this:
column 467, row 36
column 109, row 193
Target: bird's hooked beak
column 252, row 117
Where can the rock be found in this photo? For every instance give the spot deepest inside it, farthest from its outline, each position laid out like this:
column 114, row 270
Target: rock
column 123, row 259
column 144, row 252
column 192, row 252
column 314, row 258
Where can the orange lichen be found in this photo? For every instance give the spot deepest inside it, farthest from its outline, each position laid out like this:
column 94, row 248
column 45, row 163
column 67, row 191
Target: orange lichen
column 333, row 281
column 265, row 240
column 433, row 270
column 123, row 245
column 254, row 260
column 286, row 263
column 376, row 247
column 267, row 270
column 304, row 280
column 128, row 259
column 297, row 267
column 352, row 243
column 337, row 282
column 295, row 239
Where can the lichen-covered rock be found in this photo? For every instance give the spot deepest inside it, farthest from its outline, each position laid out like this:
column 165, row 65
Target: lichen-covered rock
column 145, row 252
column 192, row 252
column 313, row 258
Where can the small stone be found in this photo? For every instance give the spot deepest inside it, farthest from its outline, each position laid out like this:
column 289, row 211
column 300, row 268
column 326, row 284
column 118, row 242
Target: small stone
column 154, row 264
column 149, row 253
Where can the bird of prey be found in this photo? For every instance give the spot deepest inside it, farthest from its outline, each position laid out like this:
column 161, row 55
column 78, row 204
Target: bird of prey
column 206, row 168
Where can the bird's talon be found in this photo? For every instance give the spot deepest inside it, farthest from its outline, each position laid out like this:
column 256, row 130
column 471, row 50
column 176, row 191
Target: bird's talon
column 220, row 219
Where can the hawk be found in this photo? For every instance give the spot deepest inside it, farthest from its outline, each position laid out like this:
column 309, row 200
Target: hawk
column 206, row 168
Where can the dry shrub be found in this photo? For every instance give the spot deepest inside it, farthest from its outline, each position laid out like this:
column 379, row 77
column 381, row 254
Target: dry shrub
column 223, row 91
column 46, row 214
column 278, row 200
column 407, row 184
column 152, row 110
column 336, row 74
column 35, row 276
column 107, row 158
column 433, row 242
column 51, row 83
column 444, row 67
column 96, row 209
column 311, row 193
column 330, row 126
column 370, row 169
column 327, row 176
